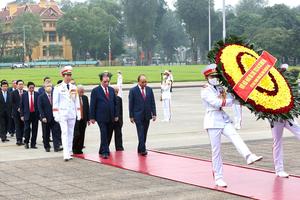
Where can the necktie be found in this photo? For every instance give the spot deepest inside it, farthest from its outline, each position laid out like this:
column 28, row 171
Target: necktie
column 106, row 93
column 50, row 99
column 31, row 103
column 143, row 94
column 68, row 86
column 21, row 93
column 81, row 107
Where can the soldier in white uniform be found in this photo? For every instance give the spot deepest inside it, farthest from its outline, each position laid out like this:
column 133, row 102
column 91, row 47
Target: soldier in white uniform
column 166, row 96
column 120, row 83
column 237, row 109
column 66, row 107
column 217, row 122
column 277, row 131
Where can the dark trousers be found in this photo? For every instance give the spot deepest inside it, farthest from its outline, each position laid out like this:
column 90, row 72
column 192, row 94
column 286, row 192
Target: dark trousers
column 19, row 128
column 4, row 125
column 12, row 128
column 142, row 129
column 34, row 122
column 117, row 129
column 56, row 134
column 79, row 134
column 105, row 131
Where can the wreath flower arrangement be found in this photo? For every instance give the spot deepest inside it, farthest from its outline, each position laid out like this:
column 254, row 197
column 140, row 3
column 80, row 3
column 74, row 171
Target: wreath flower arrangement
column 274, row 98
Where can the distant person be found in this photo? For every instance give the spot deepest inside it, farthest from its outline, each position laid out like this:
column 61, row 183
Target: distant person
column 171, row 78
column 16, row 97
column 5, row 111
column 66, row 108
column 80, row 125
column 103, row 111
column 141, row 110
column 45, row 102
column 46, row 81
column 218, row 123
column 117, row 125
column 120, row 84
column 12, row 128
column 30, row 115
column 166, row 96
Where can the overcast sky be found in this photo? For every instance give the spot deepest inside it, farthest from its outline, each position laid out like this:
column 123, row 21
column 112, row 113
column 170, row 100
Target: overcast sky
column 218, row 3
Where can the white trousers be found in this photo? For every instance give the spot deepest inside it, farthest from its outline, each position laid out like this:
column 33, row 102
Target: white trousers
column 120, row 93
column 277, row 132
column 215, row 140
column 167, row 109
column 237, row 109
column 67, row 134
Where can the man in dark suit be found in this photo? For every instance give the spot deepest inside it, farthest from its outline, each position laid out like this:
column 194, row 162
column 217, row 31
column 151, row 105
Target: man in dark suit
column 5, row 110
column 141, row 110
column 12, row 128
column 117, row 125
column 103, row 110
column 80, row 125
column 16, row 98
column 47, row 80
column 48, row 122
column 30, row 115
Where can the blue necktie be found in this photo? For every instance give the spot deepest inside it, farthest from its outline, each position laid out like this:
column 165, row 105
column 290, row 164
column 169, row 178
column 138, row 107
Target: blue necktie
column 68, row 86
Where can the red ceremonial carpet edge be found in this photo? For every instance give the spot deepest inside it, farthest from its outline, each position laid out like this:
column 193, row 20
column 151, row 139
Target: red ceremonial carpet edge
column 242, row 181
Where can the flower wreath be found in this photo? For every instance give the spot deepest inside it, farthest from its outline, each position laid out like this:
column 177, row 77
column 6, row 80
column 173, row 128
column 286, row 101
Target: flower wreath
column 274, row 98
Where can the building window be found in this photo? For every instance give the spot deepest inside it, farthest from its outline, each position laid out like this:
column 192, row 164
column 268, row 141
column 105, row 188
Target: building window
column 45, row 37
column 52, row 36
column 44, row 24
column 60, row 38
column 45, row 49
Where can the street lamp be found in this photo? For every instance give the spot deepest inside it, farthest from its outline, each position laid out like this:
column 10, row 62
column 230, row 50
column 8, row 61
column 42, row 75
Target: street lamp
column 24, row 41
column 209, row 27
column 224, row 23
column 109, row 46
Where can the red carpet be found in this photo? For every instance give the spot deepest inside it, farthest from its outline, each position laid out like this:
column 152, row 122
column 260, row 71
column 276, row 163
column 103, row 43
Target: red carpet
column 246, row 182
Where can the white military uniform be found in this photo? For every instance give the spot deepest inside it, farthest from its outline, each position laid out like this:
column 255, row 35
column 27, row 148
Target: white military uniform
column 166, row 99
column 66, row 107
column 120, row 84
column 237, row 109
column 277, row 131
column 217, row 122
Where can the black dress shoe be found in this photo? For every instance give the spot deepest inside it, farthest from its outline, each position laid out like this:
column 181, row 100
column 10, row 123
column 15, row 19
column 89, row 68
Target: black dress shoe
column 33, row 147
column 120, row 149
column 5, row 140
column 66, row 159
column 77, row 152
column 59, row 149
column 12, row 135
column 104, row 156
column 26, row 146
column 144, row 153
column 47, row 149
column 19, row 143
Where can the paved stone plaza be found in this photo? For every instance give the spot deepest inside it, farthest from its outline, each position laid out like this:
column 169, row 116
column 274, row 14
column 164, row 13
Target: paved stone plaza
column 35, row 174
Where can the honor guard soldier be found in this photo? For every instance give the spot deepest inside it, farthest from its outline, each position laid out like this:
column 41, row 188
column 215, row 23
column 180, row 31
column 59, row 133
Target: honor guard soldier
column 217, row 122
column 66, row 107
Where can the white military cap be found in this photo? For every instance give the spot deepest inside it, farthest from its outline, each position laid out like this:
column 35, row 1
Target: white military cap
column 210, row 69
column 284, row 66
column 66, row 70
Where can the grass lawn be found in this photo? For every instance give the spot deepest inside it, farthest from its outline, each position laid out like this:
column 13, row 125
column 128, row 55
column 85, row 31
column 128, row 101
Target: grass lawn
column 89, row 75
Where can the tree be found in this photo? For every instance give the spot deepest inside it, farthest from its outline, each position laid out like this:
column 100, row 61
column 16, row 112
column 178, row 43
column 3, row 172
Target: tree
column 31, row 25
column 194, row 13
column 171, row 35
column 55, row 50
column 142, row 19
column 251, row 6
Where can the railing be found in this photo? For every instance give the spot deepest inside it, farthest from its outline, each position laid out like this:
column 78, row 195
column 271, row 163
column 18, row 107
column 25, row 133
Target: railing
column 51, row 63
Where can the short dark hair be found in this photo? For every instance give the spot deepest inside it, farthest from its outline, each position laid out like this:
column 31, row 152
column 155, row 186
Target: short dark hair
column 19, row 81
column 30, row 83
column 4, row 82
column 47, row 77
column 105, row 74
column 139, row 77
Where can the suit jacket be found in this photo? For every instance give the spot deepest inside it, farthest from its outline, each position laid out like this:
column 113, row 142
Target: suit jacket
column 45, row 107
column 86, row 108
column 11, row 89
column 24, row 108
column 16, row 102
column 141, row 109
column 215, row 117
column 102, row 109
column 5, row 106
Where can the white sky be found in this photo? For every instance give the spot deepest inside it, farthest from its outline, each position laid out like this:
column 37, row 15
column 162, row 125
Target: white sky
column 218, row 3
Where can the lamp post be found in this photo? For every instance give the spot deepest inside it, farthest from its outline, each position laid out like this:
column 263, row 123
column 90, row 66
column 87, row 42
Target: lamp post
column 224, row 22
column 209, row 27
column 109, row 46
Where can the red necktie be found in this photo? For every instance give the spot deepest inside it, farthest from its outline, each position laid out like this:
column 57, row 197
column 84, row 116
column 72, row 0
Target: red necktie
column 50, row 100
column 31, row 103
column 106, row 93
column 143, row 94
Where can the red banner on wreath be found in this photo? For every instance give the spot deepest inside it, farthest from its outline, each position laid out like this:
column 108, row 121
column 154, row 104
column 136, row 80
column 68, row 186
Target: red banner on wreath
column 253, row 76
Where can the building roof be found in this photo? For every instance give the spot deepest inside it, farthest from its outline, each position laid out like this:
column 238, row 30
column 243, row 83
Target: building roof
column 50, row 11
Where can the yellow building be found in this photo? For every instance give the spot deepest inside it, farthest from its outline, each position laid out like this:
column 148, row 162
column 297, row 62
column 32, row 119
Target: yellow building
column 49, row 13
